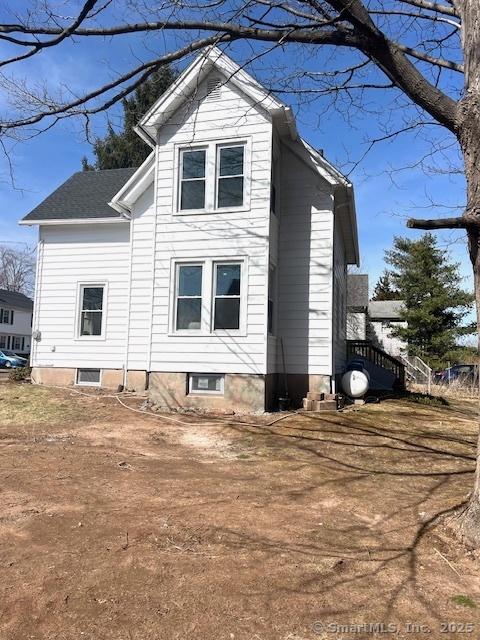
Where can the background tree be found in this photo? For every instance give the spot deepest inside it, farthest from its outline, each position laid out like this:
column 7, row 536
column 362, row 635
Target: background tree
column 435, row 303
column 384, row 289
column 17, row 270
column 426, row 52
column 126, row 148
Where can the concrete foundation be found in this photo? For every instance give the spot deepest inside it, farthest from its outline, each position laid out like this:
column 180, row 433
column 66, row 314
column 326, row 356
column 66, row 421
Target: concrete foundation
column 53, row 376
column 110, row 379
column 243, row 393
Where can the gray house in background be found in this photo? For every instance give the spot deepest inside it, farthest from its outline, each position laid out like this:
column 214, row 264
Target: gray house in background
column 15, row 322
column 373, row 320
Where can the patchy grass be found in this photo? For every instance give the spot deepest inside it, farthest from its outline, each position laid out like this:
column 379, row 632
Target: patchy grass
column 426, row 399
column 464, row 601
column 26, row 405
column 116, row 524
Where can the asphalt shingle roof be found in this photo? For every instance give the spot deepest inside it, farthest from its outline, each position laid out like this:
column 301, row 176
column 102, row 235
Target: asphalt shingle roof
column 84, row 195
column 357, row 290
column 385, row 309
column 14, row 299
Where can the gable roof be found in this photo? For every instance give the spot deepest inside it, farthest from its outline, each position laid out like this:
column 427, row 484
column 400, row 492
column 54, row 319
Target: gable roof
column 188, row 81
column 386, row 309
column 84, row 195
column 107, row 196
column 15, row 299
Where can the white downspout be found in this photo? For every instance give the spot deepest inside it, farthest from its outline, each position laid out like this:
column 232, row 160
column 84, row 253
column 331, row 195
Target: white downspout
column 129, row 307
column 154, row 249
column 36, row 305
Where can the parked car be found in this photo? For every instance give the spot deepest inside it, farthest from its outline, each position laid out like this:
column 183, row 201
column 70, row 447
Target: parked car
column 9, row 360
column 458, row 372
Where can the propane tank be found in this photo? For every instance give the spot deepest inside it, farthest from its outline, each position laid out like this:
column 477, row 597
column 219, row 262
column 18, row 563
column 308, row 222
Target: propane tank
column 355, row 383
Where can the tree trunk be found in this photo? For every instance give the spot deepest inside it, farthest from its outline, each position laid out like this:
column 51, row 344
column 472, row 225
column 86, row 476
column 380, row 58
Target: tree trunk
column 468, row 132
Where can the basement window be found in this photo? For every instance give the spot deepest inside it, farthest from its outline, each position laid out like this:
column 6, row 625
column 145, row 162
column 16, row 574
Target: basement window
column 88, row 377
column 206, row 383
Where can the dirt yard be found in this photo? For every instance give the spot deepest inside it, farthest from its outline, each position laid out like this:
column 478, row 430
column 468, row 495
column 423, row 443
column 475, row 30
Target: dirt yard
column 118, row 525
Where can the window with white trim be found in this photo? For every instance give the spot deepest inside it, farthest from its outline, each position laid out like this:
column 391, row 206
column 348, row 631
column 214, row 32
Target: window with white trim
column 272, row 290
column 230, row 175
column 212, row 177
column 3, row 342
column 88, row 377
column 206, row 383
column 6, row 316
column 207, row 296
column 192, row 178
column 188, row 304
column 226, row 313
column 91, row 310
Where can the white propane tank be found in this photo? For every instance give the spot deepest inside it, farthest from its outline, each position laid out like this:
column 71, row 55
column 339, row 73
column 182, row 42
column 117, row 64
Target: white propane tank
column 355, row 383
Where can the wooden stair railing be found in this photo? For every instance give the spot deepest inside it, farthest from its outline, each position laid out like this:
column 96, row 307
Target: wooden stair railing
column 368, row 351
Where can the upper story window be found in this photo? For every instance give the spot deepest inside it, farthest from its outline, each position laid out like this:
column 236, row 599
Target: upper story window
column 230, row 178
column 91, row 310
column 212, row 177
column 192, row 179
column 6, row 316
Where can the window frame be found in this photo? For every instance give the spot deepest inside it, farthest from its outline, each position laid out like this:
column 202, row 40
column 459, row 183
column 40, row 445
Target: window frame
column 272, row 298
column 207, row 318
column 218, row 177
column 177, row 265
column 180, row 179
column 214, row 296
column 78, row 328
column 88, row 384
column 206, row 392
column 211, row 147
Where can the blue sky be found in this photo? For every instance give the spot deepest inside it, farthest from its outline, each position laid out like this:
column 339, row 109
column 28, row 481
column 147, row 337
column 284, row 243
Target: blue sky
column 385, row 196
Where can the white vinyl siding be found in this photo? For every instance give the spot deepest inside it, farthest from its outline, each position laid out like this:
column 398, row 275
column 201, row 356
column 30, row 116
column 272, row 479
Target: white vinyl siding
column 220, row 236
column 71, row 256
column 142, row 283
column 305, row 269
column 339, row 301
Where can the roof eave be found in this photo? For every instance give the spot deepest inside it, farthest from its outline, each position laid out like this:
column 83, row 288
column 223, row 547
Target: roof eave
column 58, row 221
column 124, row 199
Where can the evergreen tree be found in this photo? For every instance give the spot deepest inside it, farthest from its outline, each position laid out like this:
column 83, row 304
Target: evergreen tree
column 435, row 303
column 126, row 148
column 384, row 289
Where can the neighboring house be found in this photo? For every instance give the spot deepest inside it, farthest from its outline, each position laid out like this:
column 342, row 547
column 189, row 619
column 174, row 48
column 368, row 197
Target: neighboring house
column 15, row 321
column 212, row 272
column 357, row 306
column 384, row 316
column 371, row 319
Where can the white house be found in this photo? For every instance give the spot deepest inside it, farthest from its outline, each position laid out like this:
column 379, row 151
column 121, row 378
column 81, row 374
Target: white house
column 374, row 320
column 384, row 317
column 15, row 322
column 215, row 273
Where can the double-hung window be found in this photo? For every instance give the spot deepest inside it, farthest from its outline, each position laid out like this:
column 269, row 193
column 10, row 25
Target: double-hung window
column 189, row 297
column 212, row 177
column 91, row 310
column 227, row 296
column 192, row 179
column 230, row 176
column 6, row 316
column 208, row 296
